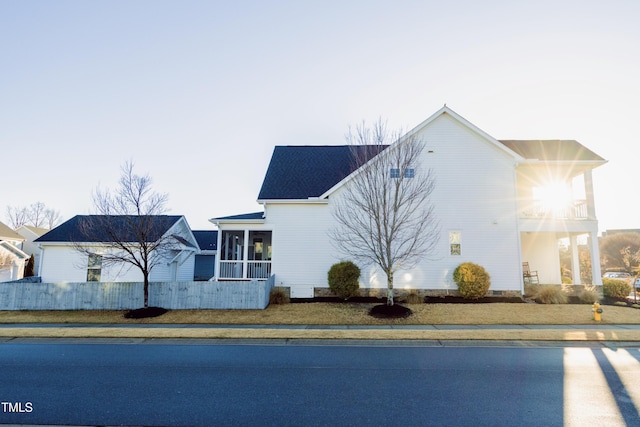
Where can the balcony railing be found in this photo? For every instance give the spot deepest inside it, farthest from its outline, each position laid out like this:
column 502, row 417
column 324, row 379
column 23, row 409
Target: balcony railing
column 577, row 210
column 235, row 269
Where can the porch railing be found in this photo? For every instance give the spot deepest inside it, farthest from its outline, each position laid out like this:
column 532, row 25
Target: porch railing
column 235, row 269
column 258, row 269
column 230, row 270
column 578, row 210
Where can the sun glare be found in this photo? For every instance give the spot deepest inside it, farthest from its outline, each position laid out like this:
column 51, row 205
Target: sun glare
column 553, row 196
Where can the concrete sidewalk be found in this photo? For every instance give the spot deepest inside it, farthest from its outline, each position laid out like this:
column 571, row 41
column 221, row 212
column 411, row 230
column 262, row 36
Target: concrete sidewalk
column 569, row 333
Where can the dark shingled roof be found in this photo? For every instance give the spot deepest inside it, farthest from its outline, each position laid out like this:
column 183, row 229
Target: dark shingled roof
column 249, row 216
column 207, row 239
column 552, row 150
column 74, row 229
column 300, row 172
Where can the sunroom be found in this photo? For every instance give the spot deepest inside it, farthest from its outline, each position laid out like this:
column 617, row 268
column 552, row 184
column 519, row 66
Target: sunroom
column 244, row 248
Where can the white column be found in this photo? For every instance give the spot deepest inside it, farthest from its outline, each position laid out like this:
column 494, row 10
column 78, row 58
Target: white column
column 218, row 254
column 245, row 254
column 588, row 189
column 596, row 273
column 575, row 260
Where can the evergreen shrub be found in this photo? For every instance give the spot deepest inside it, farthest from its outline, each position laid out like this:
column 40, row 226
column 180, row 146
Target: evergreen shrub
column 343, row 279
column 615, row 288
column 472, row 279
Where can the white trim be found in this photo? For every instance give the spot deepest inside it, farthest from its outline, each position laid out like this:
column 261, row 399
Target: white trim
column 311, row 200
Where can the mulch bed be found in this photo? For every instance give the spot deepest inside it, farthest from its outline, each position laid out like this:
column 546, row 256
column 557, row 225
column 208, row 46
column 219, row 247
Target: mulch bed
column 384, row 311
column 143, row 313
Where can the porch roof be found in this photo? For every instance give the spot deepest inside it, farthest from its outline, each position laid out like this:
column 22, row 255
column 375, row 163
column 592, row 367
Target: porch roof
column 552, row 150
column 241, row 217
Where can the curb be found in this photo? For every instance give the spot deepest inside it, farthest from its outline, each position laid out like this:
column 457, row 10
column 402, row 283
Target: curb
column 499, row 333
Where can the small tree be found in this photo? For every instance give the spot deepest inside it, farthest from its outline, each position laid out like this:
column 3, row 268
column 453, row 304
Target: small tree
column 130, row 219
column 29, row 269
column 384, row 217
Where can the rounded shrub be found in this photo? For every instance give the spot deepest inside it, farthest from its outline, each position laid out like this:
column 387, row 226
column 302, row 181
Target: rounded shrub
column 472, row 279
column 343, row 279
column 615, row 288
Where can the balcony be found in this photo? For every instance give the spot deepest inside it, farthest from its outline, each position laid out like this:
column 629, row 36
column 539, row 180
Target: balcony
column 576, row 210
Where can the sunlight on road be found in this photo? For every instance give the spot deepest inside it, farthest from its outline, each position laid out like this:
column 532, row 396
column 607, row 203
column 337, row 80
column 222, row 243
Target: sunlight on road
column 587, row 396
column 628, row 369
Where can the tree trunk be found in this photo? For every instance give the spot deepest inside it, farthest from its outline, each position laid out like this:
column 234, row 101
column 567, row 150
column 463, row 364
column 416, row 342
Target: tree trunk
column 389, row 288
column 146, row 290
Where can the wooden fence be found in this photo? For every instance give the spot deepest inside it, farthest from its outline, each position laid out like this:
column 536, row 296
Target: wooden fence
column 125, row 296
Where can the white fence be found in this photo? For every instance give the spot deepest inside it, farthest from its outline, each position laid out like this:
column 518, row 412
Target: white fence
column 125, row 296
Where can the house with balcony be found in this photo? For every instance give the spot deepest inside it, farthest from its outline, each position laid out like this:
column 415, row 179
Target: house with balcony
column 499, row 203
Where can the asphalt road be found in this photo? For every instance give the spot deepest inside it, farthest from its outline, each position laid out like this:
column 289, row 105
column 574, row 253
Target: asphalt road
column 337, row 385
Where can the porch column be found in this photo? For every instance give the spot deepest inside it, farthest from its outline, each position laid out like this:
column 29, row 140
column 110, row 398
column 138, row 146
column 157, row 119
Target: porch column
column 575, row 260
column 588, row 189
column 216, row 268
column 594, row 249
column 245, row 254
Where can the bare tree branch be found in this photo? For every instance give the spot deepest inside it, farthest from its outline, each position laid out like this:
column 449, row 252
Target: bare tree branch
column 129, row 226
column 385, row 216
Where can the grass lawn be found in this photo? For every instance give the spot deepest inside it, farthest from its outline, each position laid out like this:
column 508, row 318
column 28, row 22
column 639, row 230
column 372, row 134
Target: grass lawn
column 352, row 314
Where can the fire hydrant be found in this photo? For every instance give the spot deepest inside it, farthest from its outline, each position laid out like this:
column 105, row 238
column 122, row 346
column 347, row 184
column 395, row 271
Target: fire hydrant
column 597, row 311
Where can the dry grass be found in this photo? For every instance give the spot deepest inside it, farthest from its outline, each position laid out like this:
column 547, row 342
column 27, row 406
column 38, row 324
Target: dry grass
column 350, row 314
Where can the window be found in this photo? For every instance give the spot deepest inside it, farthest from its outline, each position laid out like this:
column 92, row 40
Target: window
column 94, row 268
column 454, row 243
column 408, row 173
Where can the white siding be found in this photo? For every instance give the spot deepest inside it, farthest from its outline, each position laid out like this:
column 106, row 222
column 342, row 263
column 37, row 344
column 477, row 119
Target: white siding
column 65, row 264
column 540, row 250
column 475, row 194
column 302, row 250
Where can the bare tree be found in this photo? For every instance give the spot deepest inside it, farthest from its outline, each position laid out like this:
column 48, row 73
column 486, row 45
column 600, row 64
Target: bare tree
column 385, row 216
column 37, row 215
column 17, row 216
column 129, row 226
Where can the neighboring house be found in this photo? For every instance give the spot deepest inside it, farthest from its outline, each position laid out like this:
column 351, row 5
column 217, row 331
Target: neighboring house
column 62, row 262
column 499, row 204
column 12, row 258
column 205, row 266
column 30, row 234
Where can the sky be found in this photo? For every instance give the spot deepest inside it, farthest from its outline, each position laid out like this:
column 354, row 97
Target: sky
column 197, row 93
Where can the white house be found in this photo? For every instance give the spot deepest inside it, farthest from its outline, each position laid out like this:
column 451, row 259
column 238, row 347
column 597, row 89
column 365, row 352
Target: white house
column 12, row 259
column 499, row 203
column 61, row 261
column 30, row 234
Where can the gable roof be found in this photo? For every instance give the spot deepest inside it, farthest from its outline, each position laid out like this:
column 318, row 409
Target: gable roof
column 38, row 231
column 14, row 251
column 301, row 172
column 72, row 230
column 207, row 239
column 552, row 150
column 6, row 233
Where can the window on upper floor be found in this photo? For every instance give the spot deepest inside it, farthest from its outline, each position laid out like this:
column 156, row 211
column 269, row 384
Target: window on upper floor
column 408, row 173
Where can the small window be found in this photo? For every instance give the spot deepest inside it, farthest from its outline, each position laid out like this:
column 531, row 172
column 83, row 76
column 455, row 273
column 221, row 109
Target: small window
column 454, row 243
column 408, row 173
column 94, row 268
